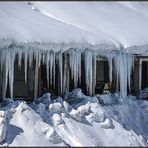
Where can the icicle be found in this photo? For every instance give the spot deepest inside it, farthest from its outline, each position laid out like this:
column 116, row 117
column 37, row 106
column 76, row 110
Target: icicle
column 2, row 59
column 123, row 65
column 9, row 60
column 51, row 66
column 5, row 73
column 88, row 69
column 11, row 71
column 129, row 68
column 110, row 68
column 75, row 65
column 60, row 64
column 37, row 64
column 19, row 52
column 30, row 58
column 47, row 67
column 25, row 62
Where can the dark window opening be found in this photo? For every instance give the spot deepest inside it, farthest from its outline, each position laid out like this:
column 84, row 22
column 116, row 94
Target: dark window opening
column 144, row 74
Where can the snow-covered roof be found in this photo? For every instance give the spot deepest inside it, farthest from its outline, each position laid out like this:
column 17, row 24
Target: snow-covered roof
column 21, row 23
column 123, row 22
column 83, row 23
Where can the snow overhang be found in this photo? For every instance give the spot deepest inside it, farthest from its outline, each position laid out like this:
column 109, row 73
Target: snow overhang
column 122, row 22
column 20, row 24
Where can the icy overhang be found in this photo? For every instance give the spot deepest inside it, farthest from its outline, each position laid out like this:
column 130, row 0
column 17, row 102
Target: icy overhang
column 20, row 23
column 64, row 25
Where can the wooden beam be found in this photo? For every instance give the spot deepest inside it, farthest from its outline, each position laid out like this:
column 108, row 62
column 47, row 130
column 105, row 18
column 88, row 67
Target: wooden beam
column 140, row 73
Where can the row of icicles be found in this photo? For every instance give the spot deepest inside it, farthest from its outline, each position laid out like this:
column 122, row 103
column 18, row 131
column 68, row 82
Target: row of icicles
column 123, row 64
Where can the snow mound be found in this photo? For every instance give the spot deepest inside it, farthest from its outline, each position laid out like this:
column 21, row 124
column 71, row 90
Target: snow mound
column 74, row 96
column 108, row 99
column 3, row 126
column 86, row 123
column 26, row 128
column 143, row 94
column 55, row 107
column 106, row 124
column 45, row 99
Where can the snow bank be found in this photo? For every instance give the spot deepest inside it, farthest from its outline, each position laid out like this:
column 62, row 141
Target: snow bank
column 75, row 95
column 108, row 99
column 3, row 126
column 26, row 128
column 47, row 122
column 143, row 94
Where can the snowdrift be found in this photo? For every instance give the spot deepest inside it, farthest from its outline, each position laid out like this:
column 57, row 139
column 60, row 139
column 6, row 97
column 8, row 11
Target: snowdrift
column 47, row 122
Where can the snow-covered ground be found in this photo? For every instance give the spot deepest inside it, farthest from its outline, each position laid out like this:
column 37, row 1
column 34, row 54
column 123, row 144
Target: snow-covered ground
column 75, row 120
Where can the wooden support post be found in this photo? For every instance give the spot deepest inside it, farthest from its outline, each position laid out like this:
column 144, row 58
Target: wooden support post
column 1, row 85
column 140, row 72
column 94, row 75
column 65, row 72
column 36, row 78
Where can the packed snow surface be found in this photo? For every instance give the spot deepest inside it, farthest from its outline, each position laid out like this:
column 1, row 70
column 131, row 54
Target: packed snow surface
column 123, row 22
column 21, row 23
column 85, row 121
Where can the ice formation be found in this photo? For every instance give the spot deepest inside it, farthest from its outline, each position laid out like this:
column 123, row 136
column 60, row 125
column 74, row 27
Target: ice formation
column 68, row 62
column 123, row 66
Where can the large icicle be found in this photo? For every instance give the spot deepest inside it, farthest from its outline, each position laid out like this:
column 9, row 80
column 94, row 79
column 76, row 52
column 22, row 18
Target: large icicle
column 88, row 58
column 30, row 57
column 110, row 67
column 129, row 69
column 4, row 62
column 8, row 60
column 47, row 66
column 37, row 65
column 51, row 66
column 123, row 65
column 19, row 52
column 75, row 65
column 11, row 71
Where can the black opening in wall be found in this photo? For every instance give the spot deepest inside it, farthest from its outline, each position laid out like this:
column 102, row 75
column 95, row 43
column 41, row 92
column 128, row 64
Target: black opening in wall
column 144, row 74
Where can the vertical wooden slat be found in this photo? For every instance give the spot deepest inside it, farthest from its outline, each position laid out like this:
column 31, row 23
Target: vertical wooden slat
column 140, row 72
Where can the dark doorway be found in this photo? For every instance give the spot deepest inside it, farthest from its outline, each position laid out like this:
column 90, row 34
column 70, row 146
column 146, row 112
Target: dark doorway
column 144, row 74
column 44, row 85
column 102, row 75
